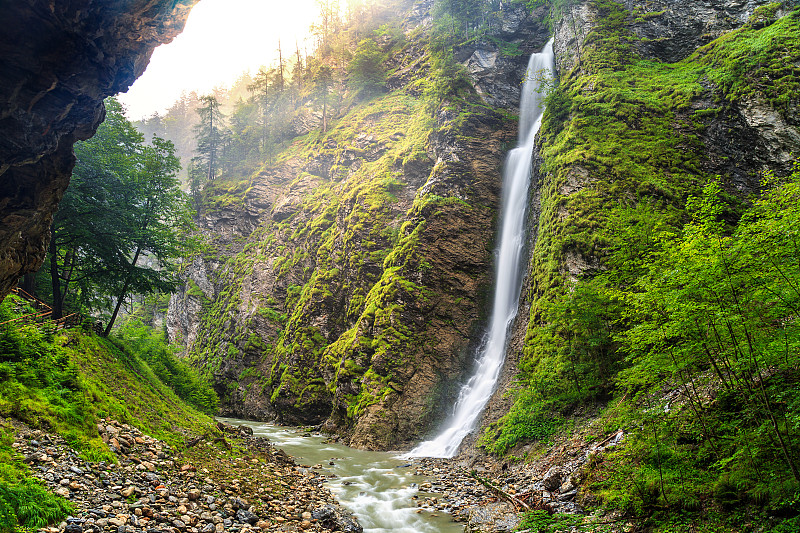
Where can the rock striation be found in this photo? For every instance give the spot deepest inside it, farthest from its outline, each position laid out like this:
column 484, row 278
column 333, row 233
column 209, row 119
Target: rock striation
column 58, row 61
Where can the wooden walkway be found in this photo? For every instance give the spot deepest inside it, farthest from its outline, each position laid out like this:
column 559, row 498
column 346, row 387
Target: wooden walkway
column 42, row 314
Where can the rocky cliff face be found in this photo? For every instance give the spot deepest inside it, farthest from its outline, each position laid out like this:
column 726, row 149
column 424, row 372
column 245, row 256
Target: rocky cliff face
column 358, row 296
column 348, row 284
column 58, row 61
column 652, row 103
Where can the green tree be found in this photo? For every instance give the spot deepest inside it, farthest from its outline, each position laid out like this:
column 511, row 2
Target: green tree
column 323, row 82
column 210, row 134
column 85, row 234
column 157, row 211
column 367, row 73
column 197, row 177
column 120, row 228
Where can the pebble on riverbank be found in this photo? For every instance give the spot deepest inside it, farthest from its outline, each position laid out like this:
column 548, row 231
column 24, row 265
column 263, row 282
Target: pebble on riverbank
column 554, row 488
column 236, row 484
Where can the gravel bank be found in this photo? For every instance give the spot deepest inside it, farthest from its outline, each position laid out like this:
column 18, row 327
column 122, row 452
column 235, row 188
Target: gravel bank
column 236, row 483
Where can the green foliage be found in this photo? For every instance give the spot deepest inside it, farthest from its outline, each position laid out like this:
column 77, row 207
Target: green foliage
column 65, row 381
column 41, row 385
column 608, row 45
column 529, row 419
column 448, row 78
column 123, row 205
column 710, row 307
column 151, row 347
column 28, row 504
column 544, row 522
column 462, row 20
column 680, row 285
column 759, row 59
column 622, row 158
column 367, row 73
column 211, row 133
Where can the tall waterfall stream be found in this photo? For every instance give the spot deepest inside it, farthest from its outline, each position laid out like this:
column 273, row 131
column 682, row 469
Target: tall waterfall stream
column 475, row 394
column 378, row 487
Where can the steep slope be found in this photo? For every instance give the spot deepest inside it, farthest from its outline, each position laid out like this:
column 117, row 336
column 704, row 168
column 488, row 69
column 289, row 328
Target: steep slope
column 627, row 133
column 342, row 300
column 659, row 308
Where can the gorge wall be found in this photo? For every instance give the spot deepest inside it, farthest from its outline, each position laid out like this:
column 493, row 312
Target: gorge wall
column 654, row 101
column 58, row 61
column 347, row 284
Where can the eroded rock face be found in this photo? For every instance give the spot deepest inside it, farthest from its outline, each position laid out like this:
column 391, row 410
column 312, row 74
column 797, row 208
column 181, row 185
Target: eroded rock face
column 733, row 139
column 58, row 61
column 496, row 71
column 667, row 30
column 357, row 297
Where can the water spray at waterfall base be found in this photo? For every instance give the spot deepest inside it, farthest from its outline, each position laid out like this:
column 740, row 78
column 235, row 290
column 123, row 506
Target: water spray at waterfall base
column 475, row 394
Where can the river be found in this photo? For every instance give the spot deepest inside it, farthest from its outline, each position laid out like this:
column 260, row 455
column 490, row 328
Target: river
column 376, row 486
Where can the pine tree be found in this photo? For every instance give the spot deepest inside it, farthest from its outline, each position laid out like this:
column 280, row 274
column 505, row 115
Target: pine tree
column 210, row 134
column 367, row 73
column 323, row 81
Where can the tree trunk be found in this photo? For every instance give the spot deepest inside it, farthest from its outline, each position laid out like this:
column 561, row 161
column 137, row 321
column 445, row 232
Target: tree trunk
column 29, row 284
column 122, row 293
column 280, row 64
column 325, row 114
column 67, row 278
column 54, row 279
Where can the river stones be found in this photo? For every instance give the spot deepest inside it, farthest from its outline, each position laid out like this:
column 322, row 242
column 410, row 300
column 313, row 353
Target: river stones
column 204, row 489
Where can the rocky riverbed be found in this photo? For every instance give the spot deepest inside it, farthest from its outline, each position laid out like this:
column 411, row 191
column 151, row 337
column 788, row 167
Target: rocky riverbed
column 232, row 483
column 239, row 483
column 489, row 495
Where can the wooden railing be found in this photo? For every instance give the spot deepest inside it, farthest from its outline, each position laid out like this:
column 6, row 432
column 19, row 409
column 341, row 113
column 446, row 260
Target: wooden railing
column 43, row 313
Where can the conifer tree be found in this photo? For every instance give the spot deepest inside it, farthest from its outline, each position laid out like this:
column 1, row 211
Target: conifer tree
column 323, row 81
column 367, row 73
column 210, row 134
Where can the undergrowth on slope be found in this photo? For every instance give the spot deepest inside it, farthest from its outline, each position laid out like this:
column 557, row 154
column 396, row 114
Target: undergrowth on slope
column 24, row 501
column 64, row 382
column 151, row 347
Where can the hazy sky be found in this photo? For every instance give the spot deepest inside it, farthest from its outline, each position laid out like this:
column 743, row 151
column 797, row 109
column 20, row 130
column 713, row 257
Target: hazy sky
column 222, row 39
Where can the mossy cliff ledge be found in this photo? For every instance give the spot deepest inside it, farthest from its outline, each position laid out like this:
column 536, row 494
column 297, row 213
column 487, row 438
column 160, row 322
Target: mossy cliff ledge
column 58, row 61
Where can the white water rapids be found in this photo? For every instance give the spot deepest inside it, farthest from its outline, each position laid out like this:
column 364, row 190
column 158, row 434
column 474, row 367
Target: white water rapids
column 516, row 179
column 376, row 486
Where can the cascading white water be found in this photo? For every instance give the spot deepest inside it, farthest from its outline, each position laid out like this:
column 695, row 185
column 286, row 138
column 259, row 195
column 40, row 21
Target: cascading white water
column 516, row 179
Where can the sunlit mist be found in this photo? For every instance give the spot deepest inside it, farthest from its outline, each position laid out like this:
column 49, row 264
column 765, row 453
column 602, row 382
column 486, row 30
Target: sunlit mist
column 222, row 39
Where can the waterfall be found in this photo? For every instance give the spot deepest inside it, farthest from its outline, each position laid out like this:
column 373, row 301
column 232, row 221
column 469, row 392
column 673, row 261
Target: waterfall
column 509, row 269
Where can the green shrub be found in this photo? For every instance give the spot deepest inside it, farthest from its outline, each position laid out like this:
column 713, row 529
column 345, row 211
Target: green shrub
column 23, row 500
column 28, row 504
